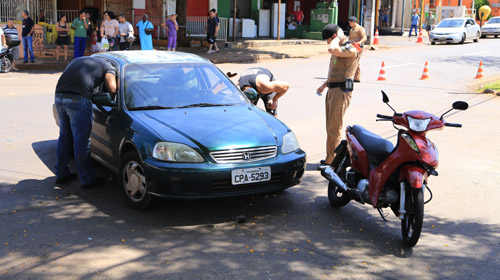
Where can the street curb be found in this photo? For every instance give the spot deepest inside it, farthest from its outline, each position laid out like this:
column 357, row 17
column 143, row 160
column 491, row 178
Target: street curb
column 480, row 82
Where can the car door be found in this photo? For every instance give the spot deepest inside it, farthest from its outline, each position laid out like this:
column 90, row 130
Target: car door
column 471, row 31
column 100, row 140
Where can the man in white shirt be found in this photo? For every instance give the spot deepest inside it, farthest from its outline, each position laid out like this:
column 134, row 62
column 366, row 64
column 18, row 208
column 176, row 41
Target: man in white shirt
column 126, row 31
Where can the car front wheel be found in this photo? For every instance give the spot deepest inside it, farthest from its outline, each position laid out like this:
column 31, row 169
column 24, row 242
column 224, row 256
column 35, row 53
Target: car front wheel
column 463, row 39
column 133, row 181
column 477, row 37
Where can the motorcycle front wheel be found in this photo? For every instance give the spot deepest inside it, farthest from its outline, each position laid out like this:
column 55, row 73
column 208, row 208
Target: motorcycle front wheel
column 6, row 65
column 411, row 224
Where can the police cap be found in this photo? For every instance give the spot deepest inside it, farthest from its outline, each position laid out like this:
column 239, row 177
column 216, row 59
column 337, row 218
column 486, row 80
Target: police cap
column 353, row 19
column 329, row 31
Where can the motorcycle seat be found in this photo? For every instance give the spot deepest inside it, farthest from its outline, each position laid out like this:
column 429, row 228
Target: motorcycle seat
column 376, row 147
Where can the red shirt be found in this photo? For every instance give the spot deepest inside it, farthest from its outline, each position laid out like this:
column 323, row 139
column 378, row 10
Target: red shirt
column 299, row 15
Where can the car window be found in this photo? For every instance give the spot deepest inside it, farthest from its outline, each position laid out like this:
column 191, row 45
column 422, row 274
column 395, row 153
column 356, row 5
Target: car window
column 170, row 85
column 454, row 23
column 494, row 20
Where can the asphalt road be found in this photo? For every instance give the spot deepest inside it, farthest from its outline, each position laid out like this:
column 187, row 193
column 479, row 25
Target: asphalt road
column 66, row 233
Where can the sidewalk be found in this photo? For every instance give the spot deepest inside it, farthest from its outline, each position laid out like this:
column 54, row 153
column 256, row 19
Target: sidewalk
column 251, row 53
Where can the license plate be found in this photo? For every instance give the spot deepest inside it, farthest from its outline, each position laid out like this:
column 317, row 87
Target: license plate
column 251, row 175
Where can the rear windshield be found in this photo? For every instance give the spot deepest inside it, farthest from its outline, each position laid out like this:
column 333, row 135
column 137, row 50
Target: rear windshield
column 175, row 85
column 451, row 23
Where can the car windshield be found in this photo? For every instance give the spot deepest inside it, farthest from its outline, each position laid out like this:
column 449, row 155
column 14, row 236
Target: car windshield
column 451, row 23
column 169, row 86
column 494, row 20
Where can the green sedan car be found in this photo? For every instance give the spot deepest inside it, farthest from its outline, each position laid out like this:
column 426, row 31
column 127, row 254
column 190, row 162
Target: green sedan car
column 180, row 128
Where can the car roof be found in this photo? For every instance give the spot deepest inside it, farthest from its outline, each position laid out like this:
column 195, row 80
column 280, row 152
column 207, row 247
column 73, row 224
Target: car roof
column 129, row 57
column 462, row 18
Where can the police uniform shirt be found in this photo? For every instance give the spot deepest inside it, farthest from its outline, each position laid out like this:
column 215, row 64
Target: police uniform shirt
column 357, row 33
column 344, row 66
column 248, row 78
column 83, row 75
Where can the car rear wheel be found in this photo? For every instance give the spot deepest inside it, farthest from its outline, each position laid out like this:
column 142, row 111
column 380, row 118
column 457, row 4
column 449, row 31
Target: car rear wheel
column 463, row 39
column 133, row 182
column 477, row 37
column 484, row 36
column 496, row 36
column 433, row 43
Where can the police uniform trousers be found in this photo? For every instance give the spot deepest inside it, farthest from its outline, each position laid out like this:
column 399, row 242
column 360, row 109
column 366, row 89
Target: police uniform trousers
column 357, row 76
column 337, row 102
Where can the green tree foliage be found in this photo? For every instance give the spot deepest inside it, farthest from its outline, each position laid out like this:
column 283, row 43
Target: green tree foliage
column 478, row 4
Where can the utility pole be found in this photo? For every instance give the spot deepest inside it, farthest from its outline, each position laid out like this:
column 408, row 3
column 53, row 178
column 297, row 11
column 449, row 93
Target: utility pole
column 234, row 22
column 279, row 19
column 403, row 18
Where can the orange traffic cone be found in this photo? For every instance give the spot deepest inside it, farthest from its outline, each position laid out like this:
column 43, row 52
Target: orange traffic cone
column 381, row 75
column 425, row 74
column 480, row 71
column 375, row 39
column 420, row 39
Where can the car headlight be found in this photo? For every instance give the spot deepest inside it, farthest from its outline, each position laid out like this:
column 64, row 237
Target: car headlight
column 290, row 143
column 411, row 142
column 418, row 125
column 176, row 152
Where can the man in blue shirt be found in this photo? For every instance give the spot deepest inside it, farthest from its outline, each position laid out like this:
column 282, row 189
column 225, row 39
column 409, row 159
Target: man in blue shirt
column 28, row 30
column 414, row 22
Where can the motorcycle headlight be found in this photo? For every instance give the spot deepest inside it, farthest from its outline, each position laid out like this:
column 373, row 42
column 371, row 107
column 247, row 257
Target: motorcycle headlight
column 290, row 143
column 176, row 152
column 411, row 142
column 418, row 125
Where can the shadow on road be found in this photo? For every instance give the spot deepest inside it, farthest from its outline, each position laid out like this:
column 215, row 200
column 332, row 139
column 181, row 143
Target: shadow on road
column 294, row 233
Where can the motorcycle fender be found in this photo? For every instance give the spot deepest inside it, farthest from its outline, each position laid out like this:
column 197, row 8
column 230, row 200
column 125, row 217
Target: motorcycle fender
column 415, row 175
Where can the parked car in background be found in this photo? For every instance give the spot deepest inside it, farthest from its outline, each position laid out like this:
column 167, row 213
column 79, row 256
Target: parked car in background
column 491, row 28
column 455, row 30
column 180, row 128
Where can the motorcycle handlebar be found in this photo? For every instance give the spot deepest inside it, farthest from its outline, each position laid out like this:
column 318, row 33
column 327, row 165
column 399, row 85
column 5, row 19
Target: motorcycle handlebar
column 453, row 124
column 384, row 117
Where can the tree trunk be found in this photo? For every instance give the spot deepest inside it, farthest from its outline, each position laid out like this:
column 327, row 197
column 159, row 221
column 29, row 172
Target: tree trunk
column 181, row 7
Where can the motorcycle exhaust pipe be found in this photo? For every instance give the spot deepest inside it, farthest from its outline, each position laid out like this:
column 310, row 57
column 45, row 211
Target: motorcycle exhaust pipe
column 331, row 176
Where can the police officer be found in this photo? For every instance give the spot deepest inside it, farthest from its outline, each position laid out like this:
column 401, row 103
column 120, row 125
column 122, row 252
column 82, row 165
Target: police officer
column 357, row 35
column 343, row 65
column 268, row 89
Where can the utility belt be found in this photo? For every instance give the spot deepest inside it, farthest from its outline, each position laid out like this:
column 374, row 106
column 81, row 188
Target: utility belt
column 346, row 86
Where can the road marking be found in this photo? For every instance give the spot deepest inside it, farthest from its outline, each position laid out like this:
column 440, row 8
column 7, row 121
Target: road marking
column 394, row 66
column 479, row 53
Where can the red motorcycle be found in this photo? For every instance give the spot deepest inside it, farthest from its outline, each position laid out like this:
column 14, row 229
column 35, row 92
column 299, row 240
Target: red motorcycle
column 368, row 169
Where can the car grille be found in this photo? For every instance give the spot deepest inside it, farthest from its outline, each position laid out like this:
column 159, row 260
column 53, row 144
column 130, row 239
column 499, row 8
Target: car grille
column 244, row 155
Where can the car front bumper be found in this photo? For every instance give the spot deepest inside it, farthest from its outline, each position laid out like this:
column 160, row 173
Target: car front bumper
column 490, row 32
column 211, row 180
column 452, row 38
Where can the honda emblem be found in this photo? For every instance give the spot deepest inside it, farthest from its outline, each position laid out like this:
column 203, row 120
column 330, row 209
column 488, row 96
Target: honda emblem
column 246, row 156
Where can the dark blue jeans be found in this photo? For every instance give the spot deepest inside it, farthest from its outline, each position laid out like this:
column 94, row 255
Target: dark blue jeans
column 80, row 45
column 75, row 124
column 411, row 28
column 28, row 45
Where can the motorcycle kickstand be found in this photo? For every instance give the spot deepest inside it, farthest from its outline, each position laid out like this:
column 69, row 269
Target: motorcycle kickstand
column 383, row 215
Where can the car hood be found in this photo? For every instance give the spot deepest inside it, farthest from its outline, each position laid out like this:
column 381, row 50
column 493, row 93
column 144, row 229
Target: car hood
column 448, row 30
column 212, row 128
column 491, row 25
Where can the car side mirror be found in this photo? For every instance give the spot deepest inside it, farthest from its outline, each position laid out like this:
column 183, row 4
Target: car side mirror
column 251, row 94
column 460, row 105
column 468, row 25
column 103, row 99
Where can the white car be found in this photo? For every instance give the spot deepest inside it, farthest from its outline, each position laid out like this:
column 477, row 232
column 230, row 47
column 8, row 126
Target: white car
column 455, row 30
column 492, row 27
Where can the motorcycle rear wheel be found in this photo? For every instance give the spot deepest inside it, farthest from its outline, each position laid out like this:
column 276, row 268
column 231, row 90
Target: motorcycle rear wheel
column 336, row 197
column 5, row 65
column 411, row 224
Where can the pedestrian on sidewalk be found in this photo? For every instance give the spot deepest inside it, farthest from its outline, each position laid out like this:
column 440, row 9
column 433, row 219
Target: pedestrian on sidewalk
column 144, row 28
column 28, row 30
column 9, row 30
column 429, row 23
column 357, row 35
column 109, row 29
column 74, row 110
column 211, row 30
column 3, row 41
column 299, row 15
column 80, row 25
column 343, row 65
column 414, row 23
column 268, row 89
column 90, row 29
column 126, row 31
column 172, row 27
column 62, row 40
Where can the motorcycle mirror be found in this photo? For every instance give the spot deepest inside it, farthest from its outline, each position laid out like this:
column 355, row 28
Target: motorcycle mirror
column 460, row 105
column 385, row 98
